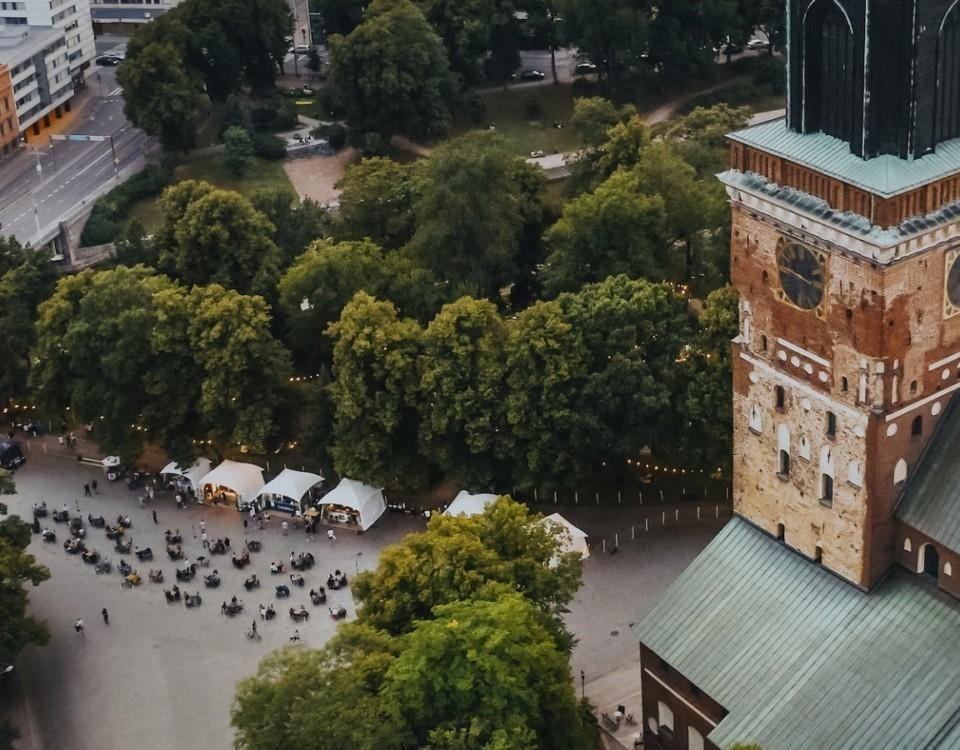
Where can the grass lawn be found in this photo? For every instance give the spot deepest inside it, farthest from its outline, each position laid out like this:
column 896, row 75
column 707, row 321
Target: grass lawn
column 524, row 116
column 263, row 173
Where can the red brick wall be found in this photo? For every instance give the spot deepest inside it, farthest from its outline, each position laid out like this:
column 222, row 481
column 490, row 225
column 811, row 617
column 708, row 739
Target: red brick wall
column 912, row 560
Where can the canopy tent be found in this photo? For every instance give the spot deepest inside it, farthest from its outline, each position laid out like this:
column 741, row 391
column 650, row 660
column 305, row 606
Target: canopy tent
column 199, row 469
column 366, row 502
column 575, row 540
column 243, row 480
column 289, row 484
column 465, row 504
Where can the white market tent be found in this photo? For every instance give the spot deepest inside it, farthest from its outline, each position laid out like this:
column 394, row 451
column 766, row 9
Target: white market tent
column 465, row 504
column 575, row 540
column 244, row 479
column 291, row 484
column 200, row 468
column 367, row 501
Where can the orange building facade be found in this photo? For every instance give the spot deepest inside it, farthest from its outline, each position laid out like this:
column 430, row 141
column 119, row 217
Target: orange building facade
column 9, row 131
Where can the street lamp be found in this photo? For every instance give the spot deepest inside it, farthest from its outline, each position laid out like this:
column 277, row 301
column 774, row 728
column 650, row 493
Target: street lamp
column 583, row 685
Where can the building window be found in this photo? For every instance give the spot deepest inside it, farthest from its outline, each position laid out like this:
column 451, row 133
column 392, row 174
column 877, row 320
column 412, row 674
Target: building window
column 916, row 427
column 907, row 546
column 694, row 739
column 844, row 385
column 780, row 396
column 665, row 719
column 826, row 489
column 831, row 425
column 756, row 419
column 783, row 466
column 930, row 561
column 828, row 69
column 763, row 343
column 818, row 555
column 913, row 387
column 781, row 532
column 900, row 472
column 855, row 474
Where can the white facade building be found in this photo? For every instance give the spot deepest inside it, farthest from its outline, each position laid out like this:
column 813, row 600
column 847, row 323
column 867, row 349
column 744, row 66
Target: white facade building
column 72, row 17
column 40, row 73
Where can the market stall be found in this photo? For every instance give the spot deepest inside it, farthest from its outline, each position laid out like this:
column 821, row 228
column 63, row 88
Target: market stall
column 232, row 483
column 353, row 503
column 289, row 491
column 465, row 504
column 187, row 481
column 575, row 540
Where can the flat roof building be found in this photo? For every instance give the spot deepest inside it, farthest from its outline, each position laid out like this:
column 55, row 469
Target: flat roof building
column 72, row 17
column 40, row 76
column 9, row 129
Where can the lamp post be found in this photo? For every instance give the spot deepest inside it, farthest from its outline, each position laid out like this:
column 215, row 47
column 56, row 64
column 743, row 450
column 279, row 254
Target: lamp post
column 583, row 685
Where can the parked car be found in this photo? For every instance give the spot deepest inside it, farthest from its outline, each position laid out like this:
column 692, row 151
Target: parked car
column 531, row 75
column 585, row 68
column 11, row 456
column 757, row 44
column 108, row 60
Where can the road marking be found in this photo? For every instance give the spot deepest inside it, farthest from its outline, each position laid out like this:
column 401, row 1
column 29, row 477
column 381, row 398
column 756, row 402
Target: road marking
column 116, row 91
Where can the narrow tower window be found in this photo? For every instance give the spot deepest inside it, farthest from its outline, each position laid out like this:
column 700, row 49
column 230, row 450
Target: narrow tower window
column 826, row 489
column 831, row 425
column 916, row 427
column 781, row 397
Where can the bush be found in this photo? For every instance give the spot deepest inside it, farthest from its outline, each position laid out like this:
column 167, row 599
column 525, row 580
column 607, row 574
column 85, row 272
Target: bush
column 274, row 115
column 476, row 107
column 334, row 133
column 237, row 151
column 770, row 71
column 268, row 146
column 108, row 218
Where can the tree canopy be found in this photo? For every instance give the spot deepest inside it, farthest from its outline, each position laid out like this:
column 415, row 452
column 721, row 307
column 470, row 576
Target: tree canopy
column 391, row 74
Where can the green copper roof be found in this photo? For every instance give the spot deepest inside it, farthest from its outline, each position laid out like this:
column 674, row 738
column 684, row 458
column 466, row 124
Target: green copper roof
column 883, row 175
column 803, row 660
column 931, row 503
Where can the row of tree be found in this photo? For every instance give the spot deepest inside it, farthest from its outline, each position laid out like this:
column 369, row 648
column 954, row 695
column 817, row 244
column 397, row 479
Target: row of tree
column 458, row 644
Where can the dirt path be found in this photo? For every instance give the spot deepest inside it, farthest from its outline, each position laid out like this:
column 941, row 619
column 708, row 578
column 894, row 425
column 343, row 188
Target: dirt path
column 316, row 177
column 665, row 111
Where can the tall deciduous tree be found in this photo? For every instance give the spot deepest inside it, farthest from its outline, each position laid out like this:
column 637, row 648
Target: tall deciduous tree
column 614, row 33
column 391, row 73
column 237, row 151
column 470, row 213
column 374, row 390
column 296, row 223
column 376, row 202
column 593, row 116
column 314, row 290
column 462, row 391
column 161, row 96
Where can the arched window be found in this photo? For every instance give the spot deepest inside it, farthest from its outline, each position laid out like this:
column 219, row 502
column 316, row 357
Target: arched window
column 781, row 532
column 783, row 464
column 826, row 489
column 828, row 67
column 900, row 472
column 916, row 427
column 665, row 716
column 907, row 546
column 694, row 739
column 831, row 425
column 756, row 419
column 818, row 555
column 947, row 113
column 930, row 561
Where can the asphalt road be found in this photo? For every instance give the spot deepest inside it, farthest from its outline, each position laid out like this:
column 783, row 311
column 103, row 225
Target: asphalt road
column 41, row 186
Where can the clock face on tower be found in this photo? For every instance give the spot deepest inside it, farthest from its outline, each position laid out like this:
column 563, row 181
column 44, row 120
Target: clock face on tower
column 801, row 274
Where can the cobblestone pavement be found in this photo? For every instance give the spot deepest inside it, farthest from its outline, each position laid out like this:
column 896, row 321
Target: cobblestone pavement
column 162, row 676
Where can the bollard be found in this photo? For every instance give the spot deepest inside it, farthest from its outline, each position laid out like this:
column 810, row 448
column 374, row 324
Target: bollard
column 646, row 524
column 676, row 517
column 698, row 512
column 576, row 497
column 603, row 543
column 598, row 498
column 535, row 498
column 619, row 500
column 641, row 497
column 683, row 491
column 554, row 497
column 661, row 496
column 663, row 518
column 717, row 511
column 633, row 533
column 616, row 540
column 268, row 468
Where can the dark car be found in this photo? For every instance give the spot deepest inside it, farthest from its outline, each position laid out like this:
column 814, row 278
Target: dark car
column 585, row 68
column 108, row 60
column 10, row 454
column 531, row 75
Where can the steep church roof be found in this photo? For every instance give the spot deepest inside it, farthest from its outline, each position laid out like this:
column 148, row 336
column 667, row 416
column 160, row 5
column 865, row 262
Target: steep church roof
column 931, row 503
column 801, row 659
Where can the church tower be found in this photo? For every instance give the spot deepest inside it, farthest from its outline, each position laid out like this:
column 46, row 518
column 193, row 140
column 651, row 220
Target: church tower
column 846, row 255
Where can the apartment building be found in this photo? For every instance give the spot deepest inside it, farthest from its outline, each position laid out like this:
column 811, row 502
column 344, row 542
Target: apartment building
column 9, row 130
column 40, row 76
column 72, row 17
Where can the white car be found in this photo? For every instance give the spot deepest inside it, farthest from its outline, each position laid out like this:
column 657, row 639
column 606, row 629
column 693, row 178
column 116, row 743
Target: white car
column 757, row 44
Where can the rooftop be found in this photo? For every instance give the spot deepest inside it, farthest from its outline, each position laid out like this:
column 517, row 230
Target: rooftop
column 801, row 659
column 139, row 14
column 17, row 43
column 885, row 176
column 931, row 503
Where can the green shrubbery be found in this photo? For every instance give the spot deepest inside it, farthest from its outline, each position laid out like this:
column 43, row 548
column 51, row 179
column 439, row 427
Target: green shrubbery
column 109, row 214
column 269, row 146
column 334, row 133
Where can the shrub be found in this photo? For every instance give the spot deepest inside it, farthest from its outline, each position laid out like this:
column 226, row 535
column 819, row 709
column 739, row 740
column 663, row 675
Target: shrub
column 269, row 146
column 274, row 115
column 770, row 71
column 108, row 218
column 237, row 151
column 334, row 133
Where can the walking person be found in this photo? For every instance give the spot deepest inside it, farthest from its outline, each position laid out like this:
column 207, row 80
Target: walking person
column 203, row 525
column 296, row 636
column 283, row 528
column 331, row 536
column 93, row 486
column 78, row 625
column 204, row 542
column 106, row 616
column 86, row 490
column 155, row 517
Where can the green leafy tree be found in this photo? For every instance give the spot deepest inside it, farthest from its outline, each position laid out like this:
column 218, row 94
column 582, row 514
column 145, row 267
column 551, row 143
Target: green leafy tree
column 462, row 391
column 12, row 254
column 633, row 332
column 374, row 392
column 221, row 238
column 484, row 674
column 701, row 136
column 314, row 290
column 160, row 96
column 22, row 288
column 707, row 402
column 93, row 347
column 613, row 33
column 616, row 229
column 296, row 223
column 237, row 151
column 376, row 202
column 470, row 213
column 391, row 74
column 17, row 569
column 593, row 116
column 546, row 366
column 339, row 16
column 459, row 558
